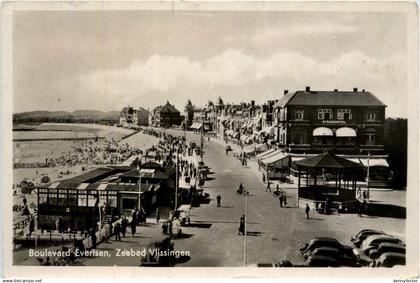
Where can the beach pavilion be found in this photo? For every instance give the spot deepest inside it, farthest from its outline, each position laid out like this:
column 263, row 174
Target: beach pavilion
column 327, row 179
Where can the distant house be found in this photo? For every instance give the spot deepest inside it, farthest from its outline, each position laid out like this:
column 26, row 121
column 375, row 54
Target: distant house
column 128, row 117
column 143, row 117
column 165, row 116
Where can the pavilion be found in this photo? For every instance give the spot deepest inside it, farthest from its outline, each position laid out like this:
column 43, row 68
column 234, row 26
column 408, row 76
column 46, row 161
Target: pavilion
column 327, row 178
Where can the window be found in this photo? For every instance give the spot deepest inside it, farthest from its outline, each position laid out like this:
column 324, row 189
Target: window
column 371, row 117
column 92, row 198
column 43, row 197
column 370, row 139
column 62, row 198
column 325, row 114
column 344, row 114
column 82, row 198
column 299, row 114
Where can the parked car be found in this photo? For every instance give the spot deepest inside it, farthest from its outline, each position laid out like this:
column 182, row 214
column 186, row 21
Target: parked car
column 153, row 258
column 282, row 263
column 320, row 261
column 183, row 214
column 389, row 260
column 363, row 234
column 344, row 257
column 375, row 240
column 386, row 248
column 320, row 242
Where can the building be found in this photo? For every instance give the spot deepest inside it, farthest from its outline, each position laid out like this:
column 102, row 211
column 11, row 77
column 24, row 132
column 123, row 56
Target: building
column 348, row 123
column 344, row 122
column 165, row 116
column 128, row 117
column 77, row 201
column 143, row 117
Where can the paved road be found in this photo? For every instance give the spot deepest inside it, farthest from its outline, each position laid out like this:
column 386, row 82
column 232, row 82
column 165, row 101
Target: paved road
column 274, row 233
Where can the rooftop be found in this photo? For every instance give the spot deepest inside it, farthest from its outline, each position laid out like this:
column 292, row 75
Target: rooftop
column 339, row 98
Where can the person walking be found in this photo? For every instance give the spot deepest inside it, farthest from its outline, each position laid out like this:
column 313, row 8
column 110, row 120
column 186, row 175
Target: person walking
column 360, row 210
column 284, row 199
column 219, row 199
column 268, row 189
column 157, row 215
column 263, row 178
column 133, row 227
column 117, row 231
column 242, row 226
column 307, row 209
column 281, row 201
column 124, row 223
column 164, row 228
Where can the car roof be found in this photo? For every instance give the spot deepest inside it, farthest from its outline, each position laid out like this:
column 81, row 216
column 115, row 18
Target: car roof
column 324, row 239
column 325, row 249
column 381, row 236
column 391, row 254
column 321, row 257
column 392, row 245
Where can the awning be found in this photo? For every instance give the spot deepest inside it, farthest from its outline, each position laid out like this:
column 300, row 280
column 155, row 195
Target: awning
column 262, row 154
column 273, row 153
column 374, row 162
column 345, row 132
column 276, row 159
column 322, row 131
column 244, row 137
column 235, row 135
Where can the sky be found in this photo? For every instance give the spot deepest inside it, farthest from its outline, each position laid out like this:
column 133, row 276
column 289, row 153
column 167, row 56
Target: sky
column 105, row 60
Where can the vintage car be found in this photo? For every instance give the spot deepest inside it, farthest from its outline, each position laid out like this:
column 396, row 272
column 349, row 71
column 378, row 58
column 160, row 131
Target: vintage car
column 389, row 260
column 183, row 214
column 320, row 242
column 344, row 257
column 158, row 253
column 376, row 252
column 320, row 261
column 363, row 234
column 375, row 240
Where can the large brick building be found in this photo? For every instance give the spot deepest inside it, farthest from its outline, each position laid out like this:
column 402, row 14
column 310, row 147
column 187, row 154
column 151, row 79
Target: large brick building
column 344, row 122
column 165, row 116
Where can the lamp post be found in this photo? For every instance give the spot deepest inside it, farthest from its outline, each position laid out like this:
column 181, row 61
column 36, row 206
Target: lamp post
column 245, row 233
column 367, row 177
column 176, row 178
column 139, row 169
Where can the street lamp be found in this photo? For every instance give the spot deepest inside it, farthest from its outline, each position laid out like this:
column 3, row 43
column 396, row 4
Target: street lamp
column 245, row 230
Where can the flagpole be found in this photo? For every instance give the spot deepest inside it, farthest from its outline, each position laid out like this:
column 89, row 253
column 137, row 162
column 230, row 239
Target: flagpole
column 139, row 203
column 246, row 217
column 367, row 179
column 177, row 178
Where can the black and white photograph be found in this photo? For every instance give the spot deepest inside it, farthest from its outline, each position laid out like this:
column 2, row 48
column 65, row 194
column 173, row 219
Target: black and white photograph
column 201, row 135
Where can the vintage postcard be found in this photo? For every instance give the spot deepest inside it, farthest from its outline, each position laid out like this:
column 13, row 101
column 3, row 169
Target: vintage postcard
column 170, row 138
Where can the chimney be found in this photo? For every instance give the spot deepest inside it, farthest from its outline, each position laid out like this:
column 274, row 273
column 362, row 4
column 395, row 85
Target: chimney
column 308, row 89
column 252, row 103
column 363, row 90
column 286, row 91
column 335, row 90
column 355, row 89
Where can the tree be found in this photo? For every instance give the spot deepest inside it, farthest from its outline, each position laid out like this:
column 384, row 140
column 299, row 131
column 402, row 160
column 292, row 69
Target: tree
column 395, row 134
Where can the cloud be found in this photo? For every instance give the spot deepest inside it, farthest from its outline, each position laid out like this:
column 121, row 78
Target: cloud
column 164, row 77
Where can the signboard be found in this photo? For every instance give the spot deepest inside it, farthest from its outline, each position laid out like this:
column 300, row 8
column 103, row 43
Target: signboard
column 333, row 122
